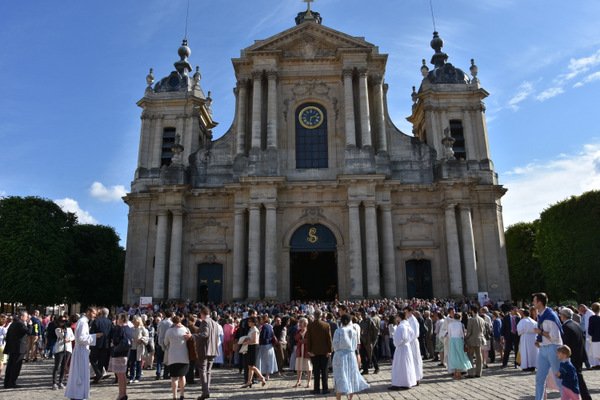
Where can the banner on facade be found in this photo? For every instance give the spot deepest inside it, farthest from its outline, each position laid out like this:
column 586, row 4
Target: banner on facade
column 145, row 301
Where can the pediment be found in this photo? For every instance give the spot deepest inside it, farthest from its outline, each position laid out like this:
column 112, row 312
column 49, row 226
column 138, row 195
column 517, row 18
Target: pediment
column 309, row 40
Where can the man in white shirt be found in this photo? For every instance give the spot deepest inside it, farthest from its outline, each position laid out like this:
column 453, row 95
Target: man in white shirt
column 549, row 339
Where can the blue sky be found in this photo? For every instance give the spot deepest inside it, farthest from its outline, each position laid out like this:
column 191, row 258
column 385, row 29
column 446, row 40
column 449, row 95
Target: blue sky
column 73, row 70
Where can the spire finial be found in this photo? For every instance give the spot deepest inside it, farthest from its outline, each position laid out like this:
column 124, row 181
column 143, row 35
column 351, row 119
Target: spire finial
column 308, row 15
column 183, row 66
column 439, row 58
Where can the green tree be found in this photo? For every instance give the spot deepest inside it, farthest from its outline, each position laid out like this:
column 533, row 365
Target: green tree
column 526, row 275
column 97, row 266
column 568, row 245
column 34, row 250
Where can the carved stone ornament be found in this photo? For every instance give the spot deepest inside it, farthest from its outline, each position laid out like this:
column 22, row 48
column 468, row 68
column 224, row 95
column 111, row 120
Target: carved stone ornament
column 417, row 255
column 312, row 212
column 210, row 258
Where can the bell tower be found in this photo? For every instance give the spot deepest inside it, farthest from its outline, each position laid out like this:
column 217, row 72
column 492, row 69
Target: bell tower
column 448, row 112
column 176, row 122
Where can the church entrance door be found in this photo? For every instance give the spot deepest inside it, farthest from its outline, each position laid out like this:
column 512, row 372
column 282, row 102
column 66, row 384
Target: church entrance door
column 210, row 283
column 418, row 279
column 313, row 263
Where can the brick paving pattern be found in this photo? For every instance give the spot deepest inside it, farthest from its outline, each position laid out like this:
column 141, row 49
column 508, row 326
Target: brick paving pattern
column 496, row 383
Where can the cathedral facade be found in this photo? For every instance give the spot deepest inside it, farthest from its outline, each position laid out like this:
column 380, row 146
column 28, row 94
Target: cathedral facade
column 313, row 193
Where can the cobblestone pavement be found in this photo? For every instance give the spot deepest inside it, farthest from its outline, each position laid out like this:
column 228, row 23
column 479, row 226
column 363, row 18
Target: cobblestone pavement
column 496, row 383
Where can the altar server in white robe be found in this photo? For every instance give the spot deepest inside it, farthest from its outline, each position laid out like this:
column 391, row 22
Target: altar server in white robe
column 78, row 385
column 403, row 371
column 529, row 351
column 414, row 344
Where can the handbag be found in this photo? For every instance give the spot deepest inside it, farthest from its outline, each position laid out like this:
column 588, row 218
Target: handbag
column 191, row 348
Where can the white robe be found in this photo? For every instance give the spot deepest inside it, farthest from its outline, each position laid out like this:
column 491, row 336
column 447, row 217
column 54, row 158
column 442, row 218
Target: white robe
column 585, row 323
column 527, row 348
column 219, row 359
column 416, row 349
column 78, row 385
column 403, row 371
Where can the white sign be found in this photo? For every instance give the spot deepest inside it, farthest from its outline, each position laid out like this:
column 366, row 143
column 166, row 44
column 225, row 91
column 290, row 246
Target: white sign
column 145, row 301
column 483, row 298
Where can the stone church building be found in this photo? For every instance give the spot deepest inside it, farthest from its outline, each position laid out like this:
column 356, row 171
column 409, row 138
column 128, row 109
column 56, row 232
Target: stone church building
column 313, row 193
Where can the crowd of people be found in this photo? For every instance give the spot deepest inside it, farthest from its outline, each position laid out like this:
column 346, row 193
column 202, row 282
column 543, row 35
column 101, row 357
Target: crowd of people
column 182, row 341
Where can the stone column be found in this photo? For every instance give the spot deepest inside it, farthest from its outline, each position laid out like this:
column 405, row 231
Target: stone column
column 175, row 259
column 349, row 109
column 271, row 252
column 372, row 249
column 454, row 269
column 272, row 109
column 239, row 241
column 355, row 251
column 389, row 259
column 379, row 112
column 254, row 252
column 160, row 255
column 365, row 118
column 256, row 109
column 242, row 97
column 468, row 247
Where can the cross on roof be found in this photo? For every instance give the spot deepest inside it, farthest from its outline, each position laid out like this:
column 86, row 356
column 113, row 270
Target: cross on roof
column 308, row 4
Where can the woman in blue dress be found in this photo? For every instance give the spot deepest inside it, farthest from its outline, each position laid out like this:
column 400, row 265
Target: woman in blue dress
column 346, row 375
column 458, row 362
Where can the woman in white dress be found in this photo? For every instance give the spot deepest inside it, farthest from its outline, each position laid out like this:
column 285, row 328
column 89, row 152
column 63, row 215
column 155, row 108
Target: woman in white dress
column 458, row 362
column 526, row 330
column 404, row 375
column 346, row 374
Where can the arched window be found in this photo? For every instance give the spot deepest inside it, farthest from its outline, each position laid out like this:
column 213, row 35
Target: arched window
column 311, row 136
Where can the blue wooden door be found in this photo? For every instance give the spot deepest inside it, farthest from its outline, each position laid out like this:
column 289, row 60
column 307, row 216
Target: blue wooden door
column 210, row 283
column 418, row 279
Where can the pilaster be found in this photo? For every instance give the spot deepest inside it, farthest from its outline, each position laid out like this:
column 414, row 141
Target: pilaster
column 175, row 259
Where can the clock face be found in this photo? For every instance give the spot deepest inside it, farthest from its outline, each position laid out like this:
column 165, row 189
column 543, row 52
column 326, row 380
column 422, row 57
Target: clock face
column 310, row 117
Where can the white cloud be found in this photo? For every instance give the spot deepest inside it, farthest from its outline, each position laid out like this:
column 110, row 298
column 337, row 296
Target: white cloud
column 72, row 206
column 590, row 78
column 523, row 93
column 3, row 193
column 102, row 193
column 578, row 66
column 549, row 93
column 537, row 185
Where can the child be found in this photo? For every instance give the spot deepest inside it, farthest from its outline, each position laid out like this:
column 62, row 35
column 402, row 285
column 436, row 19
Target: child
column 568, row 375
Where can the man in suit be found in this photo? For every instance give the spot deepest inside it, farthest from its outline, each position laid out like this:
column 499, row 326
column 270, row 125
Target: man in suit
column 319, row 347
column 474, row 339
column 16, row 347
column 510, row 337
column 100, row 353
column 207, row 347
column 573, row 337
column 369, row 333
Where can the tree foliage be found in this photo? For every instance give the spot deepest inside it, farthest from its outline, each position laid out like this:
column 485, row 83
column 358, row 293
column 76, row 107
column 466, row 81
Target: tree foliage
column 96, row 270
column 47, row 258
column 34, row 250
column 526, row 275
column 568, row 243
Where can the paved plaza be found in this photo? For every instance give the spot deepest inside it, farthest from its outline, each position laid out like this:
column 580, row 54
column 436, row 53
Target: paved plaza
column 495, row 384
